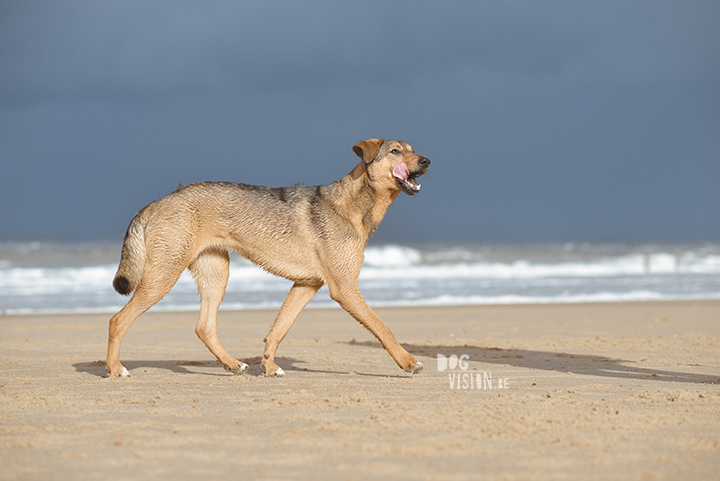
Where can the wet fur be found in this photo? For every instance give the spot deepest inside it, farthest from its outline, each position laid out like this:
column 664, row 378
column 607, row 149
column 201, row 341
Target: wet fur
column 312, row 235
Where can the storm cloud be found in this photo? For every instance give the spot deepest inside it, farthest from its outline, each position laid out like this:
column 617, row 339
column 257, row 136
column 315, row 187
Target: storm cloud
column 544, row 120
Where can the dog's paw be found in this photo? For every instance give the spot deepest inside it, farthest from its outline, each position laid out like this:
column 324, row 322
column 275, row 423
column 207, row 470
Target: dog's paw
column 278, row 372
column 118, row 372
column 272, row 370
column 414, row 369
column 237, row 370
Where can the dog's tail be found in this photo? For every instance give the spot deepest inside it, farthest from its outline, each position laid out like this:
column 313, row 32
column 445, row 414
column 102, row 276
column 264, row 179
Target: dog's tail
column 134, row 253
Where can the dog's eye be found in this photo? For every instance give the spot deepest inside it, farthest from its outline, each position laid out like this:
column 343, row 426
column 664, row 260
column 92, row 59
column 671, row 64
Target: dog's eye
column 394, row 151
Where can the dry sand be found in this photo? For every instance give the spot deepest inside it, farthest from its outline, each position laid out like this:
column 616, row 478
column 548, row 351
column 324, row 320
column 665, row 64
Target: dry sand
column 589, row 391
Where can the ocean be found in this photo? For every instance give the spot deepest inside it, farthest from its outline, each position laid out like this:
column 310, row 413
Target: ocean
column 51, row 277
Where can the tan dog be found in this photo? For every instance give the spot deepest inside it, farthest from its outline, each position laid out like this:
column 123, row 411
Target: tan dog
column 310, row 235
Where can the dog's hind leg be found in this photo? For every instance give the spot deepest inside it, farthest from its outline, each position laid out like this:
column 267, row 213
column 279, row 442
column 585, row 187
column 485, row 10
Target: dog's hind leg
column 211, row 271
column 153, row 287
column 296, row 300
column 350, row 298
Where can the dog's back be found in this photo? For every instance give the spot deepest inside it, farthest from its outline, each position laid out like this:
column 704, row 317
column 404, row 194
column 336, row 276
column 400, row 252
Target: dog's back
column 275, row 228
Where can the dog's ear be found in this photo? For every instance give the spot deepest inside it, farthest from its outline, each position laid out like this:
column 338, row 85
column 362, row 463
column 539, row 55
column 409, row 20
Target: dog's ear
column 368, row 149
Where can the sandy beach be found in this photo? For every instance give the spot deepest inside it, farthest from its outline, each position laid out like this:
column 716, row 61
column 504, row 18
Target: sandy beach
column 569, row 391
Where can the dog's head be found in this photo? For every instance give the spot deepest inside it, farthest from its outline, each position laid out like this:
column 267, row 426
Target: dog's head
column 393, row 163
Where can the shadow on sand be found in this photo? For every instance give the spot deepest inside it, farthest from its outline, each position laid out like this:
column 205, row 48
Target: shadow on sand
column 202, row 368
column 589, row 365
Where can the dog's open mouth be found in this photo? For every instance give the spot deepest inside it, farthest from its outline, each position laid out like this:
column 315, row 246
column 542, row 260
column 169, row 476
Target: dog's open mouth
column 405, row 179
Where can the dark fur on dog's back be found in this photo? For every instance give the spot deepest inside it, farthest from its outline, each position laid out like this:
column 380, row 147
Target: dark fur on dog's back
column 312, row 235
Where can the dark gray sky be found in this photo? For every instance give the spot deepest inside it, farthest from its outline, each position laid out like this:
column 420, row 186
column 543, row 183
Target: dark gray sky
column 545, row 121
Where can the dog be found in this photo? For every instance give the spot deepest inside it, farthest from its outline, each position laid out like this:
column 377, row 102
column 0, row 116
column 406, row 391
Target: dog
column 310, row 235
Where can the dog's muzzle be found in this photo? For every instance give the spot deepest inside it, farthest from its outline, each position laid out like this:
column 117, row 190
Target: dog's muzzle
column 406, row 179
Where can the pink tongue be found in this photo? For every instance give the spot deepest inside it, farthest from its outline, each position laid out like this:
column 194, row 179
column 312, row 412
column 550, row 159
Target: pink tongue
column 401, row 171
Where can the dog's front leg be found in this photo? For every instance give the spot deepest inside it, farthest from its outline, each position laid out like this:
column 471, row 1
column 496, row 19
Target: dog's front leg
column 296, row 300
column 350, row 298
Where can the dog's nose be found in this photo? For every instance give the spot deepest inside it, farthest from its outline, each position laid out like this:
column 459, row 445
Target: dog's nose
column 423, row 162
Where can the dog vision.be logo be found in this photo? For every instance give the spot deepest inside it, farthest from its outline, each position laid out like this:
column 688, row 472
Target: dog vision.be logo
column 459, row 378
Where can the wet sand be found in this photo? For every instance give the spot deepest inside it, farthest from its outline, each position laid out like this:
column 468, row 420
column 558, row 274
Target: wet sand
column 576, row 391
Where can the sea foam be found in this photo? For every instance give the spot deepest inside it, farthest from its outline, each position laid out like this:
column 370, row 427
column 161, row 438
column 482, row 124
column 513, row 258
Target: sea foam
column 40, row 277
